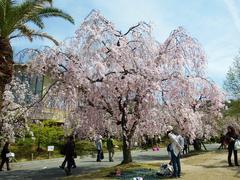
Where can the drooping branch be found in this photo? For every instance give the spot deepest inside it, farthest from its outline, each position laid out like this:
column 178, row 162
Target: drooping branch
column 124, row 73
column 61, row 65
column 106, row 108
column 129, row 30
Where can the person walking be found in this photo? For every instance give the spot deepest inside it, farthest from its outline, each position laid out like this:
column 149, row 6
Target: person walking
column 4, row 157
column 110, row 148
column 169, row 150
column 63, row 151
column 69, row 156
column 177, row 143
column 99, row 148
column 230, row 139
column 186, row 145
column 222, row 142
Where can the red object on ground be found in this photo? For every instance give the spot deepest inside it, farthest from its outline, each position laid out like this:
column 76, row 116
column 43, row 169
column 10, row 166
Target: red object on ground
column 118, row 172
column 156, row 148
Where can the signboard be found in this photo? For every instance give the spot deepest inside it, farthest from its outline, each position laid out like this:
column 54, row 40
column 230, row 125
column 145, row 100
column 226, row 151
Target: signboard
column 50, row 148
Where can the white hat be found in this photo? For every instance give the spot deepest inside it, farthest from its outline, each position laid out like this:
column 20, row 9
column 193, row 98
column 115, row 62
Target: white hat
column 100, row 137
column 169, row 128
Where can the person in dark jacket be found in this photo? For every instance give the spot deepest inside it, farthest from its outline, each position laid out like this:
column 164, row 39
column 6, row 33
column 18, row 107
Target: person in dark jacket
column 70, row 153
column 4, row 157
column 169, row 149
column 110, row 148
column 230, row 138
column 63, row 151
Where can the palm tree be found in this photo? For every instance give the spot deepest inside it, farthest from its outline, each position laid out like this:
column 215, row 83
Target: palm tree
column 14, row 23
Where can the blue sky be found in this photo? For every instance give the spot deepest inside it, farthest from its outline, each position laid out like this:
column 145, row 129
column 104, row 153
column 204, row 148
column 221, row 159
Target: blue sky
column 215, row 23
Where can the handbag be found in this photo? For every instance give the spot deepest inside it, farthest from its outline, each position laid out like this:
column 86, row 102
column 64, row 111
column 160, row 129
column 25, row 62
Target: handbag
column 10, row 155
column 101, row 155
column 237, row 145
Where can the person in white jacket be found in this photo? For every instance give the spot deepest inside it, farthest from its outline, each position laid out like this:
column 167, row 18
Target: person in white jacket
column 99, row 148
column 177, row 144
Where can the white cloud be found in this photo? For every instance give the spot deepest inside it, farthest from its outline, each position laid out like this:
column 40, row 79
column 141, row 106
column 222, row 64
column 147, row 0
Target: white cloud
column 220, row 53
column 233, row 10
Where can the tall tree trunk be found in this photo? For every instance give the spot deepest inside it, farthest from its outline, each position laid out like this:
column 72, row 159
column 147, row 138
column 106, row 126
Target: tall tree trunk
column 127, row 132
column 197, row 144
column 6, row 66
column 127, row 140
column 127, row 156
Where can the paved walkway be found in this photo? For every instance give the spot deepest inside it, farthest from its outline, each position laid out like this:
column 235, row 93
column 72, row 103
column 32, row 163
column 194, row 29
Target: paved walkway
column 48, row 169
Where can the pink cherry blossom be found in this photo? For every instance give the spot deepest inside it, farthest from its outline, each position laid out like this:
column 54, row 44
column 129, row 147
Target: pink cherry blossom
column 129, row 84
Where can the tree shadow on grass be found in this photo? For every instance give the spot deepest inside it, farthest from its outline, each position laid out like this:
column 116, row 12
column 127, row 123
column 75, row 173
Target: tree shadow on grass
column 223, row 164
column 221, row 151
column 50, row 173
column 157, row 157
column 237, row 173
column 150, row 158
column 193, row 153
column 235, row 169
column 220, row 164
column 214, row 166
column 145, row 173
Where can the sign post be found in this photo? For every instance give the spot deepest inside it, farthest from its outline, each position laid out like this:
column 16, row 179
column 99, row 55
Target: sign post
column 50, row 149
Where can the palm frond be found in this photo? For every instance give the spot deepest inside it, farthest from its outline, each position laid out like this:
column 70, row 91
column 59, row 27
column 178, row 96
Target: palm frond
column 14, row 17
column 54, row 12
column 44, row 2
column 5, row 6
column 43, row 35
column 26, row 32
column 2, row 7
column 37, row 21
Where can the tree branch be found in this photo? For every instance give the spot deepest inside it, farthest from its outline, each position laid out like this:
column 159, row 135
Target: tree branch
column 132, row 130
column 38, row 101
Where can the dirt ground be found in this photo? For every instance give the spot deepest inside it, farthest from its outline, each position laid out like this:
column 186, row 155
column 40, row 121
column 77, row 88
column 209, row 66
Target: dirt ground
column 209, row 166
column 206, row 166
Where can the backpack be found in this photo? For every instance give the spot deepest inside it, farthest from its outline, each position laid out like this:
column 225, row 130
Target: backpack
column 166, row 170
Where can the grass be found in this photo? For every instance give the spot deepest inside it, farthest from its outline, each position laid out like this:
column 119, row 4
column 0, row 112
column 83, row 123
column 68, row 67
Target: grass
column 109, row 172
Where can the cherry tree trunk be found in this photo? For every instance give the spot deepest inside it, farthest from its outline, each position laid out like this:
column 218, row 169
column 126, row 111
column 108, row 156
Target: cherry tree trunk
column 127, row 156
column 197, row 145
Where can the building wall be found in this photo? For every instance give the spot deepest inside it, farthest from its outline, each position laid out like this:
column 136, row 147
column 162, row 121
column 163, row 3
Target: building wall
column 38, row 85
